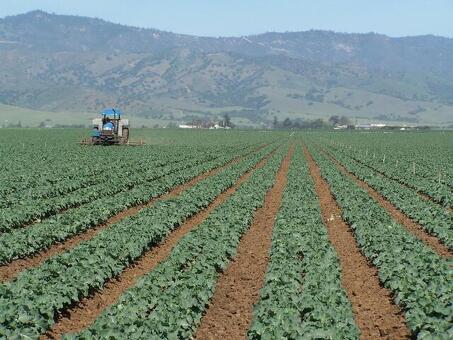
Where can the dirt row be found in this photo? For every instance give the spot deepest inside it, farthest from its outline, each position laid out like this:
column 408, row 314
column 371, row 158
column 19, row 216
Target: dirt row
column 229, row 314
column 11, row 270
column 413, row 227
column 376, row 315
column 84, row 313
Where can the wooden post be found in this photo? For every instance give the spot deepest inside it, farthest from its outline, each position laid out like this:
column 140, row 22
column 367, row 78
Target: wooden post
column 383, row 159
column 413, row 168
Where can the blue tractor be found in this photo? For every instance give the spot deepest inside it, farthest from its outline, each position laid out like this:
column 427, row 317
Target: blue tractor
column 109, row 129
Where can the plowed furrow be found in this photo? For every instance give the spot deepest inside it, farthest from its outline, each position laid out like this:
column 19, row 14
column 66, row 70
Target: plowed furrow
column 376, row 315
column 230, row 312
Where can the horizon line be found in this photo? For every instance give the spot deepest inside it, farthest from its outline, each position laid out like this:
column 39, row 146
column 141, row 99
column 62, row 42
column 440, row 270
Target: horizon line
column 229, row 36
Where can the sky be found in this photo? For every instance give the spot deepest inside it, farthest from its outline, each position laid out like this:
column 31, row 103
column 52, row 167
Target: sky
column 244, row 17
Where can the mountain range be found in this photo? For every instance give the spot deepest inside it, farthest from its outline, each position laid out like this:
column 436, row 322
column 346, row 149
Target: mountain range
column 62, row 63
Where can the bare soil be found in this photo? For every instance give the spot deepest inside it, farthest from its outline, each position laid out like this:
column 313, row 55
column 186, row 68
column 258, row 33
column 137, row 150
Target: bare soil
column 11, row 270
column 376, row 315
column 84, row 313
column 230, row 312
column 413, row 227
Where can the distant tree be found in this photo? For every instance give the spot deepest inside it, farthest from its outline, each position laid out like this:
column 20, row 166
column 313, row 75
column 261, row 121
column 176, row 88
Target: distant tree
column 298, row 124
column 275, row 123
column 345, row 121
column 337, row 120
column 318, row 124
column 287, row 123
column 334, row 120
column 227, row 121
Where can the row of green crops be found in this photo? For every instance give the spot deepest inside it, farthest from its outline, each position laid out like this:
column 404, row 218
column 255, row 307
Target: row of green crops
column 420, row 161
column 112, row 184
column 46, row 159
column 439, row 192
column 32, row 301
column 168, row 303
column 420, row 280
column 302, row 296
column 432, row 217
column 40, row 171
column 20, row 243
column 115, row 171
column 63, row 183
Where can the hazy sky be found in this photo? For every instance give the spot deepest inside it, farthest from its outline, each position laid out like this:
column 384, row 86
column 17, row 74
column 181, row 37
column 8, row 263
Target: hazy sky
column 242, row 17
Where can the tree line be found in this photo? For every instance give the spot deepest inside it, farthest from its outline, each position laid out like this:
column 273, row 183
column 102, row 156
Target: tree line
column 318, row 123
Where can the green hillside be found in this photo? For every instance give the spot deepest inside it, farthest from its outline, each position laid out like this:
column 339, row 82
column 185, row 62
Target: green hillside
column 52, row 63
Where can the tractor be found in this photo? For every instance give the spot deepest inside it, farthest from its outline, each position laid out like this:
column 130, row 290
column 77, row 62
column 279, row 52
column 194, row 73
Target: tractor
column 110, row 129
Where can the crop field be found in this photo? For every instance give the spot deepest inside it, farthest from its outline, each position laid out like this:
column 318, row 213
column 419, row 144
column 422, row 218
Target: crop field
column 226, row 235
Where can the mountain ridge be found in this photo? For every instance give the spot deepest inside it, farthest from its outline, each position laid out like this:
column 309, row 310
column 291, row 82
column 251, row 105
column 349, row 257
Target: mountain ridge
column 58, row 62
column 38, row 12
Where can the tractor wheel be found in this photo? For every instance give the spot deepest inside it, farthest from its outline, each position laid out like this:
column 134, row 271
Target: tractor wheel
column 125, row 137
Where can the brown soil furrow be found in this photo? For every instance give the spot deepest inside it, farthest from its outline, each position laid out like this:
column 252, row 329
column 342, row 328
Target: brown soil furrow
column 87, row 310
column 413, row 227
column 13, row 269
column 230, row 312
column 376, row 315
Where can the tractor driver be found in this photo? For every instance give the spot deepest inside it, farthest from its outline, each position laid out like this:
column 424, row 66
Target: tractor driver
column 108, row 125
